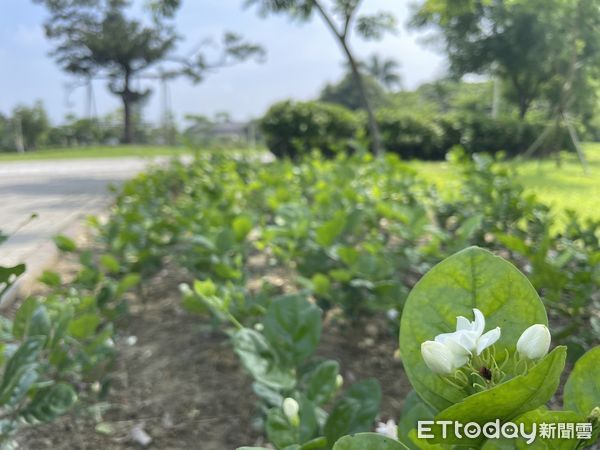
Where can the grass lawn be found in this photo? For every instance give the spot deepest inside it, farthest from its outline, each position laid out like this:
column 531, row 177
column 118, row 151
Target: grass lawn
column 562, row 187
column 95, row 152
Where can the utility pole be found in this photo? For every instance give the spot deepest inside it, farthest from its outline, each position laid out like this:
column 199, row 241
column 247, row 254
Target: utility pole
column 19, row 134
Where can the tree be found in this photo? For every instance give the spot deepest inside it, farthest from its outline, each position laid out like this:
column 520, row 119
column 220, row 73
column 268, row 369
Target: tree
column 521, row 41
column 385, row 71
column 341, row 18
column 347, row 92
column 96, row 39
column 30, row 126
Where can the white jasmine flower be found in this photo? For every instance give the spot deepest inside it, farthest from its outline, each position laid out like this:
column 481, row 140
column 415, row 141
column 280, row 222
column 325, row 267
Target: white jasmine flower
column 389, row 429
column 534, row 342
column 470, row 335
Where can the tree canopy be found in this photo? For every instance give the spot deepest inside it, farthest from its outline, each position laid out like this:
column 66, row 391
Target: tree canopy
column 537, row 47
column 341, row 17
column 98, row 39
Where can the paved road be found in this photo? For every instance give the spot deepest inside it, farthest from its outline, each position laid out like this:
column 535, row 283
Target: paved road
column 60, row 192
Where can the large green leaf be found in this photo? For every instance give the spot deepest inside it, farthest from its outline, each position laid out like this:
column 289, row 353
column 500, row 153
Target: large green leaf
column 260, row 360
column 582, row 390
column 368, row 441
column 355, row 411
column 293, row 327
column 507, row 400
column 472, row 278
column 536, row 418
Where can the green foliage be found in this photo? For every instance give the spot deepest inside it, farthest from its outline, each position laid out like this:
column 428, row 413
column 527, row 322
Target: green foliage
column 556, row 33
column 470, row 279
column 485, row 281
column 346, row 93
column 355, row 233
column 57, row 346
column 292, row 129
column 368, row 441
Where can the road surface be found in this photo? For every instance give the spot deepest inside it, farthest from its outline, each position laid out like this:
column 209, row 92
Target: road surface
column 61, row 193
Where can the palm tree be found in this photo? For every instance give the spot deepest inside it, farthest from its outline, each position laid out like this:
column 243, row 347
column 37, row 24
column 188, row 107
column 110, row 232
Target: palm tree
column 385, row 71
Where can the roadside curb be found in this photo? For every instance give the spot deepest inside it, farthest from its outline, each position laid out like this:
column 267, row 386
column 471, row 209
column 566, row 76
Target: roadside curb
column 45, row 255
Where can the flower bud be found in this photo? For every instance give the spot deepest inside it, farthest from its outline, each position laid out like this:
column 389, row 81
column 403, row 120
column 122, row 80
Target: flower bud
column 534, row 342
column 339, row 381
column 290, row 409
column 438, row 357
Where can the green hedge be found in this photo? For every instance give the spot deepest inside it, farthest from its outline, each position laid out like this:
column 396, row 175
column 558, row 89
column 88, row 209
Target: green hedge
column 414, row 136
column 294, row 128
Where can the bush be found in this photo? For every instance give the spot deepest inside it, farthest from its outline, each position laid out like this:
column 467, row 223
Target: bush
column 416, row 136
column 294, row 128
column 411, row 136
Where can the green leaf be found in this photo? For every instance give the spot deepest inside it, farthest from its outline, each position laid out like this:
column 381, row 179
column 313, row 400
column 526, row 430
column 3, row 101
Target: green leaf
column 582, row 390
column 241, row 227
column 507, row 400
column 8, row 276
column 368, row 441
column 355, row 411
column 127, row 282
column 320, row 382
column 23, row 317
column 110, row 263
column 259, row 358
column 205, row 288
column 280, row 431
column 537, row 417
column 327, row 233
column 321, row 284
column 413, row 410
column 472, row 278
column 49, row 403
column 293, row 327
column 39, row 324
column 64, row 243
column 84, row 326
column 50, row 278
column 21, row 371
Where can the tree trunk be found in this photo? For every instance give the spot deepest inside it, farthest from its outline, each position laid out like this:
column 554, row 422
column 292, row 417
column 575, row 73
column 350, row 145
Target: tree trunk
column 523, row 108
column 373, row 127
column 126, row 96
column 342, row 37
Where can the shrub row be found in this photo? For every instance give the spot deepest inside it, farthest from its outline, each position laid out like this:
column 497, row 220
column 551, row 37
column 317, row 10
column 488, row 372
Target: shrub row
column 294, row 128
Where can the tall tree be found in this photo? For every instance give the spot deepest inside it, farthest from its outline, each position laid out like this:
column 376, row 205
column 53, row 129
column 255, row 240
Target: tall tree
column 341, row 18
column 524, row 42
column 97, row 39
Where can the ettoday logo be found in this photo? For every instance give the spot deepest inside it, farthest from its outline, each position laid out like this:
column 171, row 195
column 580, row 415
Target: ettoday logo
column 430, row 429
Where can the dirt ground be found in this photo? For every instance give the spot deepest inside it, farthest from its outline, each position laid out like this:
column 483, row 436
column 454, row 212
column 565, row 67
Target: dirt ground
column 179, row 381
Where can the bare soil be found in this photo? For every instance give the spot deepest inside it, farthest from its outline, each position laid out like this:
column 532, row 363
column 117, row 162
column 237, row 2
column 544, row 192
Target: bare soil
column 179, row 381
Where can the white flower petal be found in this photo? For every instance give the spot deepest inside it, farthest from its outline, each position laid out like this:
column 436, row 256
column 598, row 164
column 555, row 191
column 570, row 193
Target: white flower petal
column 488, row 339
column 462, row 323
column 479, row 324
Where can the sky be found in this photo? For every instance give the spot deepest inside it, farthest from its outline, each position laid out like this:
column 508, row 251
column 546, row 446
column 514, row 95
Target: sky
column 301, row 59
